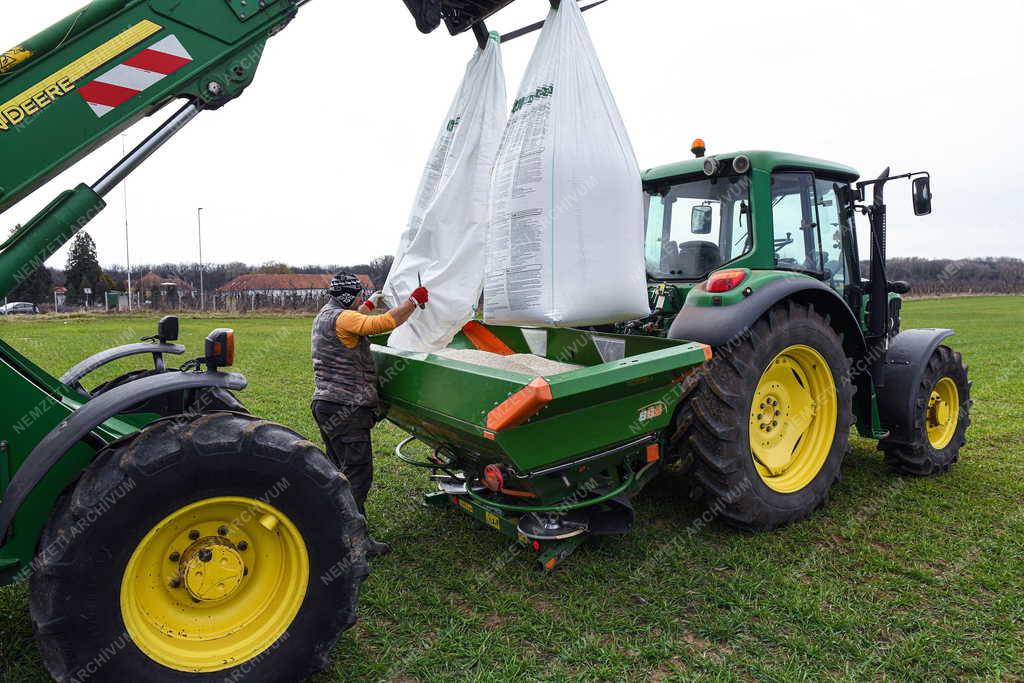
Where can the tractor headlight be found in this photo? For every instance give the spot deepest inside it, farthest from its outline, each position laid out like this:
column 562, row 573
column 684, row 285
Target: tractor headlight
column 741, row 164
column 711, row 167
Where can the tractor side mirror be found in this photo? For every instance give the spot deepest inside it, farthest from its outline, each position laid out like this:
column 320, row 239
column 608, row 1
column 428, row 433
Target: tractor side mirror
column 167, row 329
column 922, row 196
column 700, row 220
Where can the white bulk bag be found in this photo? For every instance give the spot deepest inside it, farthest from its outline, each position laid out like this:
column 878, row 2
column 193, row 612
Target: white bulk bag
column 447, row 231
column 565, row 244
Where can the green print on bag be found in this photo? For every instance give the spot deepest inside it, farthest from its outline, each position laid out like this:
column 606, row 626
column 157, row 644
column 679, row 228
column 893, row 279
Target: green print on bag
column 543, row 91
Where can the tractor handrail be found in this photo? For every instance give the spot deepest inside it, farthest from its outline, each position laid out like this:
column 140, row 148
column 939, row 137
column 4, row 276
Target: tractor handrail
column 93, row 363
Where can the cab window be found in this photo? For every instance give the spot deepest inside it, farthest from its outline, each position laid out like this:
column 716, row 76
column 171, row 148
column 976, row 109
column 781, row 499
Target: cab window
column 832, row 229
column 795, row 217
column 695, row 227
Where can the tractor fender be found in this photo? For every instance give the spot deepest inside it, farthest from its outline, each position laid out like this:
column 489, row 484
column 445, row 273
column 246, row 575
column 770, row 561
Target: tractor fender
column 49, row 451
column 904, row 366
column 720, row 326
column 75, row 375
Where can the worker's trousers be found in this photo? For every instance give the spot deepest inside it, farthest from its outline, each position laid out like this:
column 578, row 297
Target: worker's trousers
column 346, row 432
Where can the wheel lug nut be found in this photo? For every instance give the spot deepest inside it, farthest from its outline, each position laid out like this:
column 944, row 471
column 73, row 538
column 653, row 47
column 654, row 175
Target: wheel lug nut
column 775, row 423
column 243, row 546
column 205, row 555
column 176, row 582
column 175, row 556
column 193, row 535
column 245, row 571
column 760, row 416
column 222, row 531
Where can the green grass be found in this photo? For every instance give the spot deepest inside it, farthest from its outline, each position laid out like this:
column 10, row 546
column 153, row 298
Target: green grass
column 896, row 579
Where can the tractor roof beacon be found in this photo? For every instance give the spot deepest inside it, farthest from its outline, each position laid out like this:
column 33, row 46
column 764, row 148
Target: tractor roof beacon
column 191, row 480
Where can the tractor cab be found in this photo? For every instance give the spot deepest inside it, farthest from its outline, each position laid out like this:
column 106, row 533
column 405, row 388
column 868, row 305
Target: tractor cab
column 753, row 211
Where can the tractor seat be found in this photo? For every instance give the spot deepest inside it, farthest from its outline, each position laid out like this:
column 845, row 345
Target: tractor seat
column 699, row 257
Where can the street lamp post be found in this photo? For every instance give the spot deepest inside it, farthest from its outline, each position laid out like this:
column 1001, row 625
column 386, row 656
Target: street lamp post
column 127, row 251
column 202, row 291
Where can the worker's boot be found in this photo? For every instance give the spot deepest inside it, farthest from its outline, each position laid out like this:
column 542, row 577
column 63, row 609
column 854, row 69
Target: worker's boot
column 375, row 548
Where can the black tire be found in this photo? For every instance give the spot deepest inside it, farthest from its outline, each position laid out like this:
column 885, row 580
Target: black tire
column 912, row 453
column 712, row 426
column 133, row 485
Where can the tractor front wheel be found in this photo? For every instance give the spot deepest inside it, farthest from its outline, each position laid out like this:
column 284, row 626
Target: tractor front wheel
column 942, row 410
column 215, row 548
column 766, row 423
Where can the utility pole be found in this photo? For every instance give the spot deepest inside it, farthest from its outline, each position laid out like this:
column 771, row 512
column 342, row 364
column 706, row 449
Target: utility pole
column 127, row 252
column 202, row 291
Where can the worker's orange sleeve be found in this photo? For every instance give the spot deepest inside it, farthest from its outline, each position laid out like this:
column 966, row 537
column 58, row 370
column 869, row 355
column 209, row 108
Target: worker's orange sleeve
column 352, row 325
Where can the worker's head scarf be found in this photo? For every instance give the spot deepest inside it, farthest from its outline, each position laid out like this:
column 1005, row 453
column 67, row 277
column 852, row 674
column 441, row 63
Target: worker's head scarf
column 346, row 288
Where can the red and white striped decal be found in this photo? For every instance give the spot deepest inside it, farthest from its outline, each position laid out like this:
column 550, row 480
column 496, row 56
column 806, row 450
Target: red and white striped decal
column 126, row 80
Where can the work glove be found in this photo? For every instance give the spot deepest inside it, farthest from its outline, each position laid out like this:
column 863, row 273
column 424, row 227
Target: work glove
column 374, row 300
column 421, row 296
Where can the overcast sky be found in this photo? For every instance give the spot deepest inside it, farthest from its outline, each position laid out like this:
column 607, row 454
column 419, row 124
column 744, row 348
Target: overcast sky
column 319, row 161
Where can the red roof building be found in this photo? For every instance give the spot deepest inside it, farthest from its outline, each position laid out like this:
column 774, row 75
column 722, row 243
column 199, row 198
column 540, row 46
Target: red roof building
column 290, row 284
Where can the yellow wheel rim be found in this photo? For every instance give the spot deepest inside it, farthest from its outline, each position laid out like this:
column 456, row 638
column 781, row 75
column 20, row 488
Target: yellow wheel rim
column 214, row 584
column 943, row 413
column 793, row 419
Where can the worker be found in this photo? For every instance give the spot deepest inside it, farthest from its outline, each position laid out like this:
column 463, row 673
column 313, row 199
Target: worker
column 345, row 400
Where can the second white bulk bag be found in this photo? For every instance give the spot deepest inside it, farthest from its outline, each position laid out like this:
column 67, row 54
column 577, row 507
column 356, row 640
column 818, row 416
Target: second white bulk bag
column 444, row 243
column 565, row 244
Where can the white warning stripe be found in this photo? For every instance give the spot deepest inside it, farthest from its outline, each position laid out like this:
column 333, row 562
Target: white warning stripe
column 100, row 109
column 131, row 77
column 171, row 46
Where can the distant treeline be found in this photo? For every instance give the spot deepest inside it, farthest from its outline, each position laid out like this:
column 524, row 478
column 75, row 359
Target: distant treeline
column 1001, row 275
column 218, row 275
column 961, row 276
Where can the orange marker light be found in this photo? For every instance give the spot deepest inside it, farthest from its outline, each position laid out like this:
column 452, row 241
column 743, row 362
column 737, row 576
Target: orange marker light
column 231, row 348
column 698, row 148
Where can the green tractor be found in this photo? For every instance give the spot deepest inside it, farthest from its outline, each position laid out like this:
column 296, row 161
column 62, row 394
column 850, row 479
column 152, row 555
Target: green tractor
column 756, row 254
column 763, row 347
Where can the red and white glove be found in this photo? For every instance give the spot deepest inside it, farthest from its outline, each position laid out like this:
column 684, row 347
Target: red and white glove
column 373, row 301
column 420, row 296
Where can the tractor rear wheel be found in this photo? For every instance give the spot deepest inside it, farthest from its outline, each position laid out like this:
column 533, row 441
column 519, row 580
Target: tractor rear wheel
column 942, row 415
column 766, row 423
column 221, row 547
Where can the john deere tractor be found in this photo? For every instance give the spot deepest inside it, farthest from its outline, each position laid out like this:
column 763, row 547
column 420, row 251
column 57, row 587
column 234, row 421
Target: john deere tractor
column 756, row 254
column 166, row 534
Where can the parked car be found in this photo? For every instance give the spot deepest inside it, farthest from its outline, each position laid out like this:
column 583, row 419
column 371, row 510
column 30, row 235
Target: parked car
column 19, row 308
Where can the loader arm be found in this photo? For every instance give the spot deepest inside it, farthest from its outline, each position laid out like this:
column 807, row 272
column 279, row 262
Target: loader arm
column 84, row 80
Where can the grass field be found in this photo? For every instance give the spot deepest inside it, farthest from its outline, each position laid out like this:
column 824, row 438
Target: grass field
column 896, row 579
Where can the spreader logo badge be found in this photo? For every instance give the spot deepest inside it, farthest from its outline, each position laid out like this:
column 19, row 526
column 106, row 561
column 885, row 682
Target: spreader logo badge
column 648, row 413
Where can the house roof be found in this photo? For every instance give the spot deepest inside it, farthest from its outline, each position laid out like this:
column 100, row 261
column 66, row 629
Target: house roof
column 153, row 280
column 259, row 282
